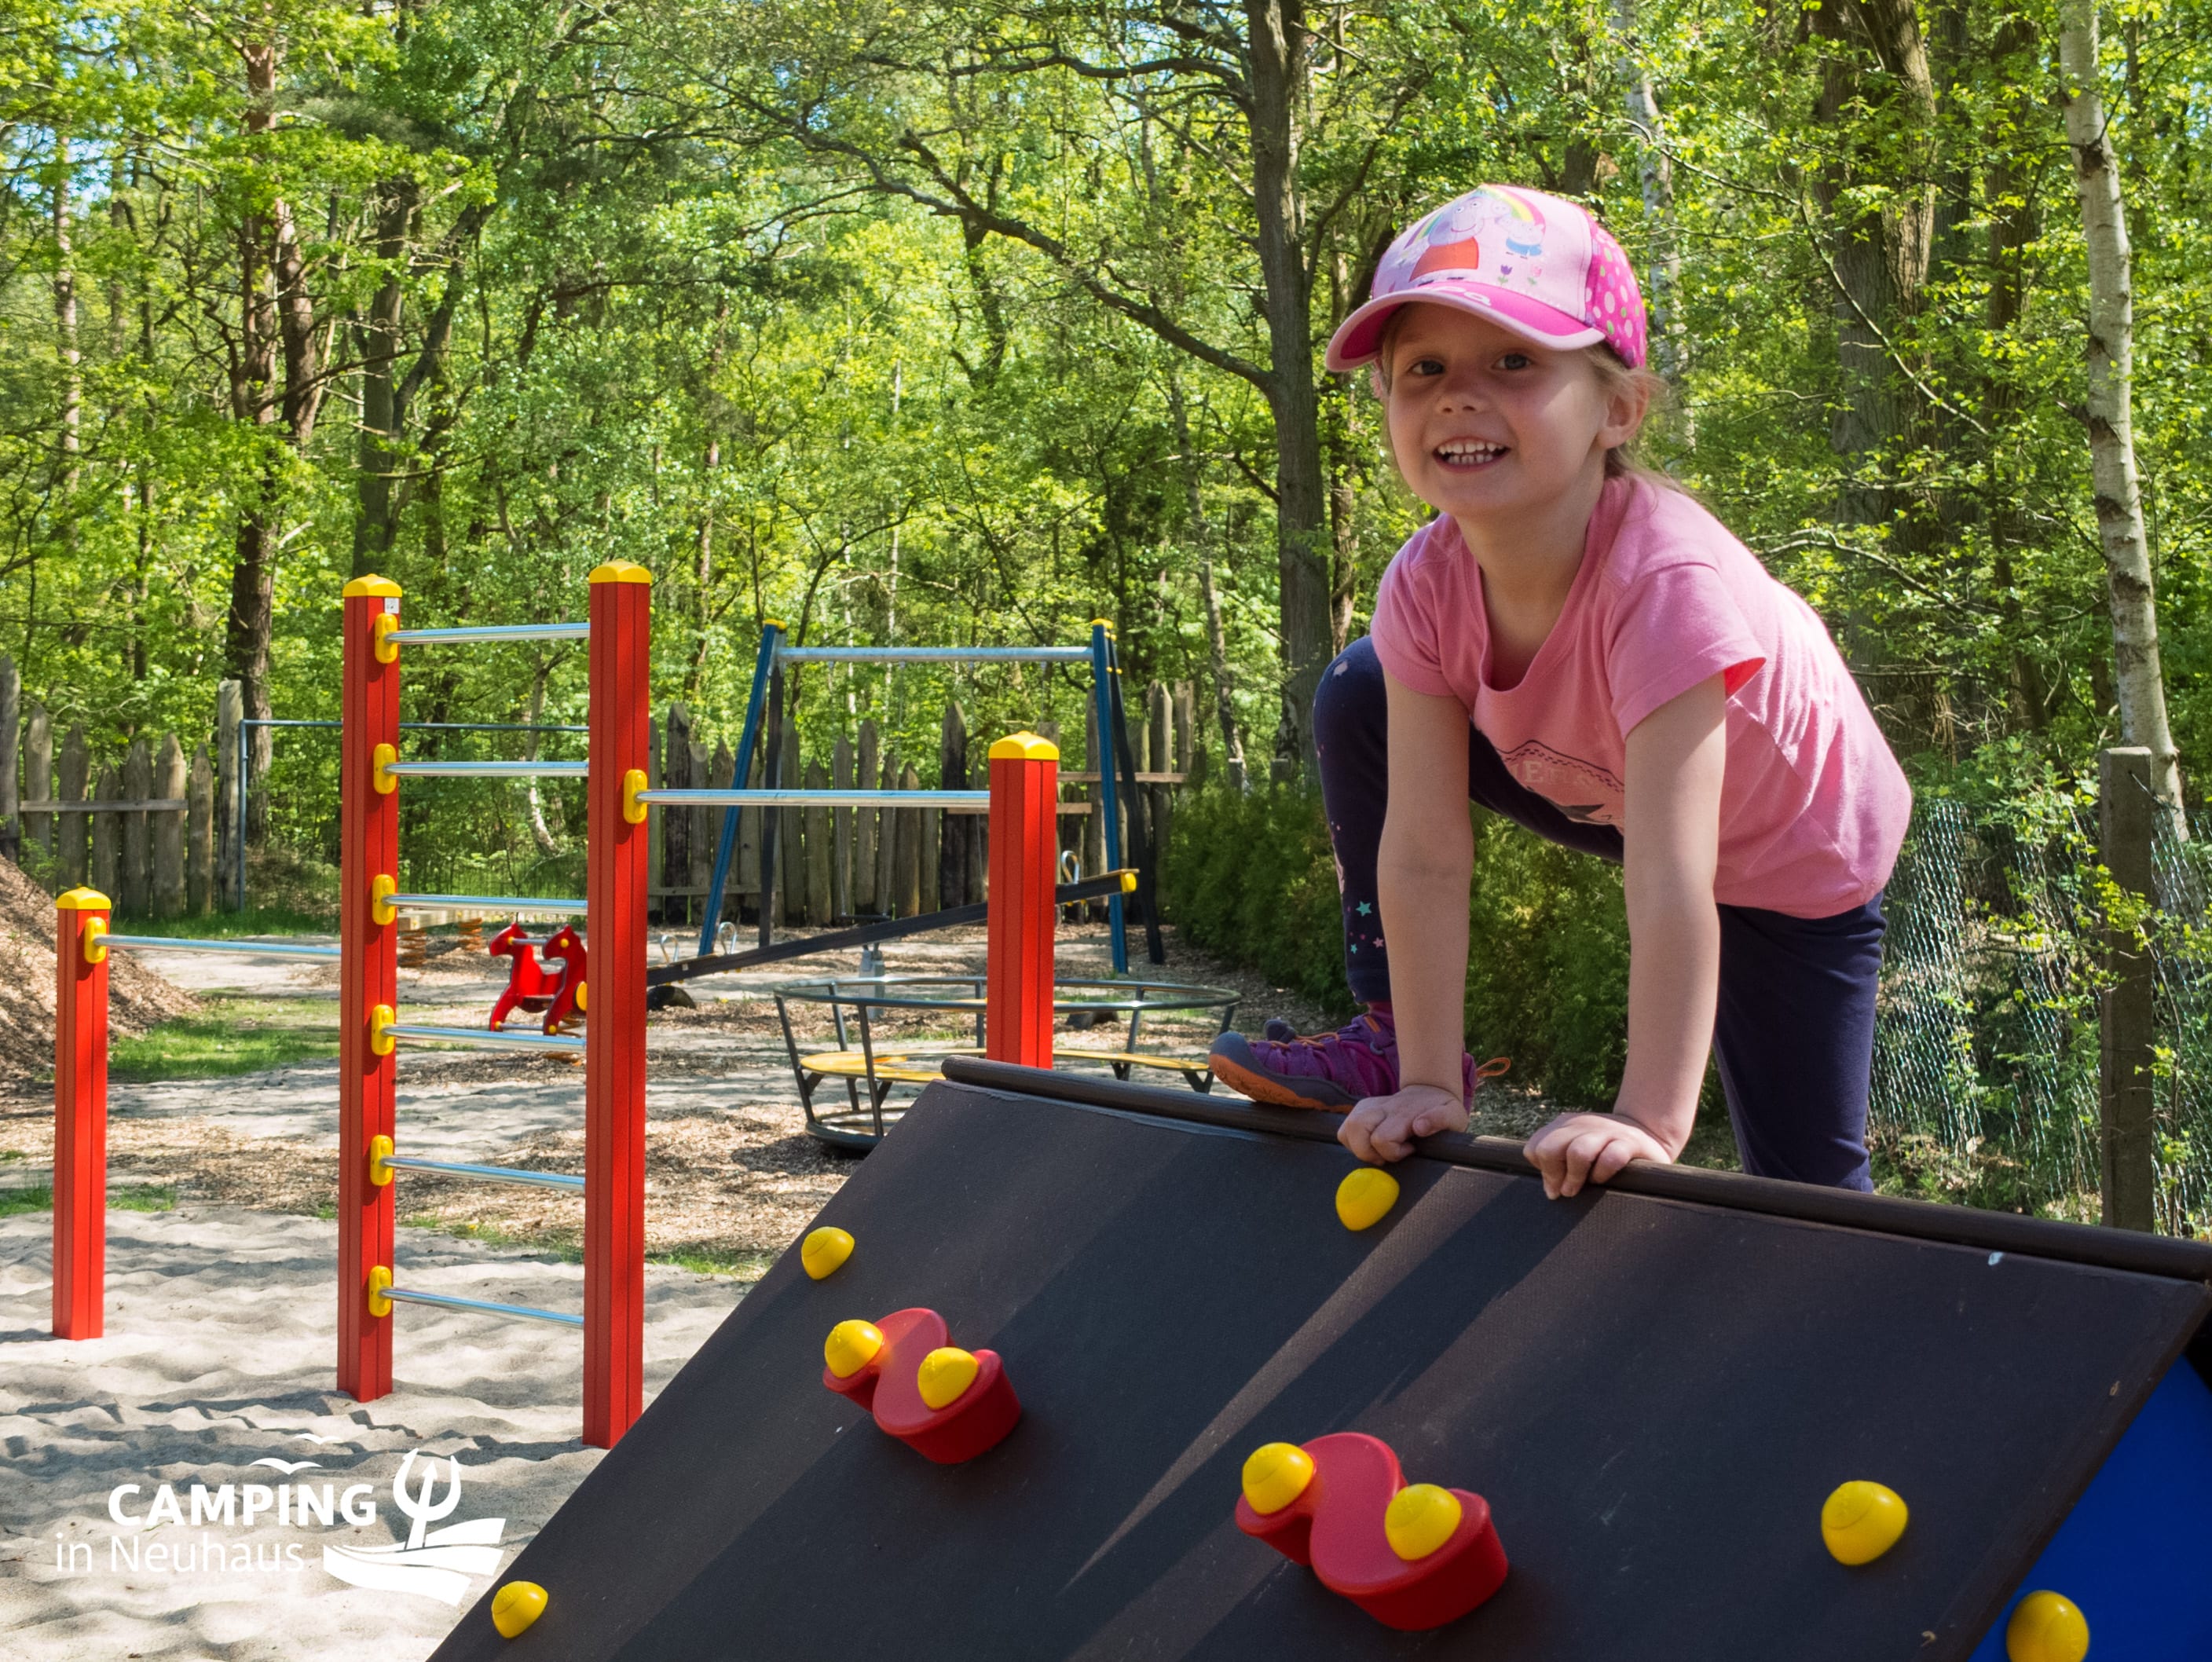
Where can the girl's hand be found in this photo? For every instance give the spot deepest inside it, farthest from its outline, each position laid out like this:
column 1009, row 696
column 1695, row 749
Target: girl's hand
column 1579, row 1147
column 1384, row 1127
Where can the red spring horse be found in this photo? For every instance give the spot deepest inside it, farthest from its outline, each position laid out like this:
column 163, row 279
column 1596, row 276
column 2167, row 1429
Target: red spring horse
column 531, row 987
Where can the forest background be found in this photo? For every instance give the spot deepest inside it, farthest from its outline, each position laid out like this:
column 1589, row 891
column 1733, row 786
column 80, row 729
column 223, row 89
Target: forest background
column 958, row 323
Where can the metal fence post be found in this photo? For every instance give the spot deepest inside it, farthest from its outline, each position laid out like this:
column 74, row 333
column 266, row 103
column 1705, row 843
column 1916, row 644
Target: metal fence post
column 82, row 917
column 1025, row 858
column 2127, row 1016
column 614, row 1056
column 368, row 970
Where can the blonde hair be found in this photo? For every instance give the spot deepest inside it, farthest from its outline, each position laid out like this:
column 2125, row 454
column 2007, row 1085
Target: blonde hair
column 1616, row 379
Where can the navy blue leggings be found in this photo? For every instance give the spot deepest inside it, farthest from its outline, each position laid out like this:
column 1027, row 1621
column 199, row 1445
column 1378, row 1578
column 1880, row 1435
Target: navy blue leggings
column 1794, row 1031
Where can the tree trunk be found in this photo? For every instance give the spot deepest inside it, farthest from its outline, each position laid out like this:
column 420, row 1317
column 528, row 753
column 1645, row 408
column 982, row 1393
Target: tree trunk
column 2140, row 684
column 1670, row 338
column 1880, row 252
column 1276, row 46
column 65, row 331
column 378, row 342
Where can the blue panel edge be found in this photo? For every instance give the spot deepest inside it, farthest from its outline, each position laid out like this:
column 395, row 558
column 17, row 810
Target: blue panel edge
column 2133, row 1552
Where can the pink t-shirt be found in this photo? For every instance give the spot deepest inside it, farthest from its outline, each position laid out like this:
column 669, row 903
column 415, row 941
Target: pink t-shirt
column 1813, row 806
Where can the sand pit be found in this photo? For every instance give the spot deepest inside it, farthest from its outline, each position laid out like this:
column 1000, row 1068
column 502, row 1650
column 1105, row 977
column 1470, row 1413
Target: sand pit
column 219, row 1349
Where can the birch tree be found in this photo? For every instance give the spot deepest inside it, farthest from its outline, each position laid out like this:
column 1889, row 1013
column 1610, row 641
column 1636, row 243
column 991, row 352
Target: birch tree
column 2129, row 591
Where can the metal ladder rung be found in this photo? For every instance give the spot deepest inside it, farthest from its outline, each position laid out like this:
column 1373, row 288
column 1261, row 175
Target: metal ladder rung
column 482, row 1306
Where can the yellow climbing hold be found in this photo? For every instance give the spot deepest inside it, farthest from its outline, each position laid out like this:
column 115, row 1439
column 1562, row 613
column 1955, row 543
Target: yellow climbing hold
column 824, row 1251
column 2046, row 1627
column 1421, row 1517
column 851, row 1346
column 1276, row 1474
column 1365, row 1198
column 1861, row 1521
column 515, row 1606
column 945, row 1372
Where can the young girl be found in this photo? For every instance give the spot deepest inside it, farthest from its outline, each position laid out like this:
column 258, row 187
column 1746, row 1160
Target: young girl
column 1637, row 687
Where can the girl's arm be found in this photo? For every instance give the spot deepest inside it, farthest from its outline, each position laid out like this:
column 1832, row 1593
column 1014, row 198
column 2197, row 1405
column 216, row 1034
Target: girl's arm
column 1676, row 757
column 1422, row 872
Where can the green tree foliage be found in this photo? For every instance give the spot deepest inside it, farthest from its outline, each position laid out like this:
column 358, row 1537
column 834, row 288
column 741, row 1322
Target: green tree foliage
column 973, row 322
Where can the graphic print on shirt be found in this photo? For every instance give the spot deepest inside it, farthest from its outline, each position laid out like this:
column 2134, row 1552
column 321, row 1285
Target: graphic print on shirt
column 1581, row 789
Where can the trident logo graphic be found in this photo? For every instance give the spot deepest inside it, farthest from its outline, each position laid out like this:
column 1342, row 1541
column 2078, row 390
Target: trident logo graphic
column 418, row 1506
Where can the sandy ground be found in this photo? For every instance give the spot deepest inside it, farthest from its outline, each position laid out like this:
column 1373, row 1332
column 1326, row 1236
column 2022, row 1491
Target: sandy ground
column 220, row 1344
column 220, row 1353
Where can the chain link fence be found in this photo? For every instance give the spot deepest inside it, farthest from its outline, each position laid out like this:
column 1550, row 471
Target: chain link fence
column 1985, row 1067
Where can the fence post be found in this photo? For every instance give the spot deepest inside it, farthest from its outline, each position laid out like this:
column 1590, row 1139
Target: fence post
column 137, row 896
column 614, row 1029
column 952, row 855
column 2127, row 1017
column 1024, row 853
column 80, row 1114
column 106, row 833
column 11, row 725
column 166, row 838
column 199, row 836
column 1160, row 747
column 906, row 888
column 840, row 854
column 869, row 764
column 655, row 819
column 68, row 834
column 229, row 814
column 38, row 780
column 818, row 852
column 368, row 974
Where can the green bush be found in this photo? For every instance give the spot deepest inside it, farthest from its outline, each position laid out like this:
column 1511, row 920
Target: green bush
column 1252, row 879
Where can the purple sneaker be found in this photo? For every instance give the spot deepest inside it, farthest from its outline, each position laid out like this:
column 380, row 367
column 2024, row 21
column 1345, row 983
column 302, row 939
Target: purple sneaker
column 1330, row 1070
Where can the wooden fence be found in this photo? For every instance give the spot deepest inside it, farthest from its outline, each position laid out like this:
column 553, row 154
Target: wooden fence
column 140, row 828
column 835, row 864
column 152, row 828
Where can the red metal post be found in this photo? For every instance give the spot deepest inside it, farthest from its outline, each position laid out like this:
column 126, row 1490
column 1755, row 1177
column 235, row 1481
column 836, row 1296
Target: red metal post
column 1024, row 852
column 368, row 972
column 80, row 1115
column 614, row 1026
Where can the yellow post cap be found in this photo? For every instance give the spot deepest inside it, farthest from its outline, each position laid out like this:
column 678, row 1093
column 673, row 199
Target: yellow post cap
column 379, row 1288
column 1421, row 1517
column 1861, row 1521
column 80, row 899
column 2046, row 1627
column 851, row 1346
column 1276, row 1474
column 945, row 1373
column 1365, row 1197
column 515, row 1606
column 1105, row 624
column 1024, row 747
column 380, row 1150
column 383, row 587
column 621, row 571
column 774, row 623
column 1128, row 882
column 824, row 1251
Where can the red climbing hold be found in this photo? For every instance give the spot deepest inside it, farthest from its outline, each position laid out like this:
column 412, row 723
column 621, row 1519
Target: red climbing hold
column 1336, row 1525
column 889, row 1384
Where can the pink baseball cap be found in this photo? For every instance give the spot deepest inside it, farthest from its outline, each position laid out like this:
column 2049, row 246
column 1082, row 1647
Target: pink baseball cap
column 1536, row 264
